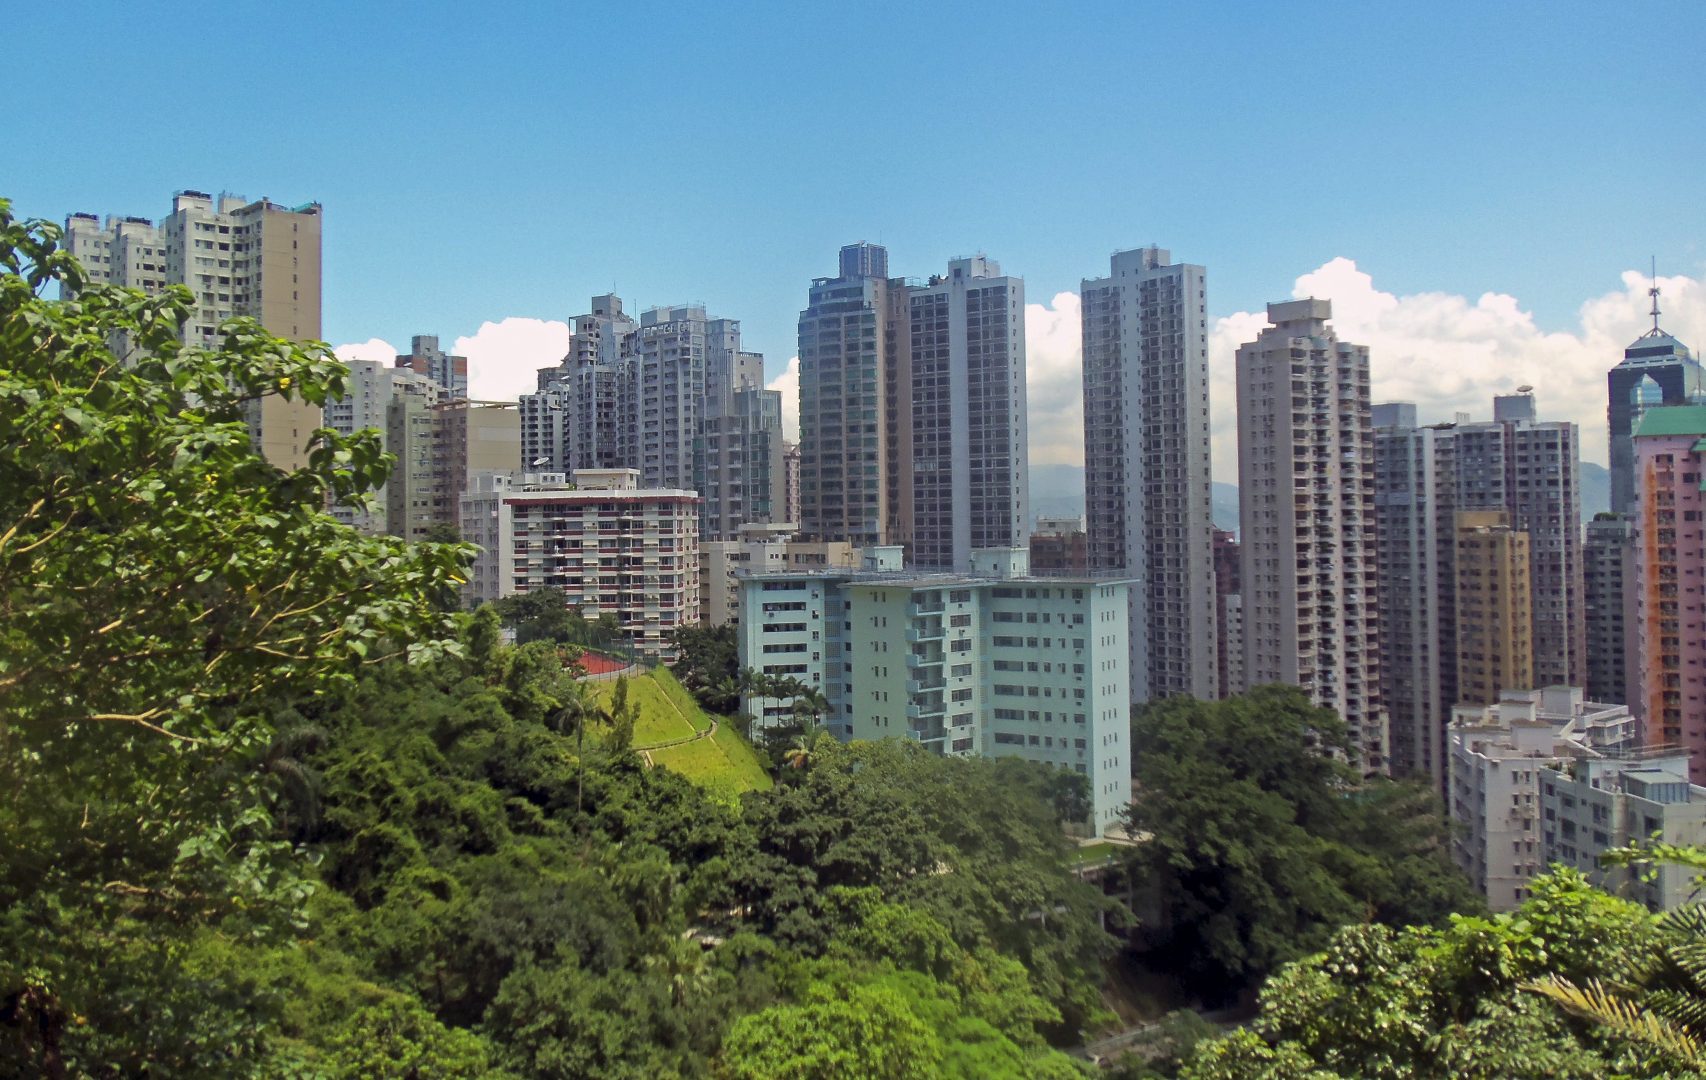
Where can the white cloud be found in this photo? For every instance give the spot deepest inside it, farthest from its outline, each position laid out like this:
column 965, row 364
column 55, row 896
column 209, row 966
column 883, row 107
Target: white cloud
column 504, row 357
column 1448, row 354
column 789, row 383
column 377, row 350
column 1054, row 380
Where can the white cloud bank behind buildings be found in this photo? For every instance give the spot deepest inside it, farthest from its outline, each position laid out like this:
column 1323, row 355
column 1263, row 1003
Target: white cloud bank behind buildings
column 1445, row 352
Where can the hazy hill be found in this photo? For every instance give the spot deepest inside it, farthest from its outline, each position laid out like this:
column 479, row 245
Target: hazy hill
column 1058, row 491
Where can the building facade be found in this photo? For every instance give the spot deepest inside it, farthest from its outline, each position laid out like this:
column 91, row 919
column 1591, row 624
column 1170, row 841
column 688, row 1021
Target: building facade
column 441, row 448
column 1504, row 758
column 1608, row 601
column 1670, row 580
column 761, row 549
column 1414, row 509
column 369, row 392
column 791, row 473
column 1146, row 461
column 855, row 414
column 1306, row 511
column 257, row 259
column 1531, row 469
column 608, row 546
column 1495, row 627
column 745, row 469
column 995, row 662
column 426, row 359
column 1059, row 546
column 969, row 468
column 1228, row 639
column 1656, row 369
column 1595, row 803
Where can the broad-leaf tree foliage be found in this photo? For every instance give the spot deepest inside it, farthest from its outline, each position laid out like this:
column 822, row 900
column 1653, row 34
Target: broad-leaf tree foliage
column 1460, row 1000
column 1261, row 845
column 708, row 665
column 270, row 809
column 923, row 829
column 162, row 589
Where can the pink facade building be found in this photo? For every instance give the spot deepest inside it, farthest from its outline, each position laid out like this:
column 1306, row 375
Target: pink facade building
column 1670, row 604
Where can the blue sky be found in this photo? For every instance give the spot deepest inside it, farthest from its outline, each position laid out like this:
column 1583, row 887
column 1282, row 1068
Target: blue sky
column 482, row 164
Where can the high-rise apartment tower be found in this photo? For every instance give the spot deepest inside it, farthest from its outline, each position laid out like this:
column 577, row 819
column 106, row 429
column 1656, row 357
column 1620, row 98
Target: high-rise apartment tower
column 1146, row 462
column 258, row 259
column 1306, row 509
column 969, row 464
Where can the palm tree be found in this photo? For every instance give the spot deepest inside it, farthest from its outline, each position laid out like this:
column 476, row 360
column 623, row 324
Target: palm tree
column 1659, row 999
column 285, row 761
column 577, row 706
column 799, row 754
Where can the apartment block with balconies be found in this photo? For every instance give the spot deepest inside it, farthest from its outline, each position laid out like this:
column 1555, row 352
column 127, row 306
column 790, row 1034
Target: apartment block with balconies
column 606, row 545
column 994, row 662
column 1670, row 579
column 1306, row 507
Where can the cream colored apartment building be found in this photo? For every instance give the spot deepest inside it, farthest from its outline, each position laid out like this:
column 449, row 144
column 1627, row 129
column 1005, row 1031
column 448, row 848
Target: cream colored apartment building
column 259, row 259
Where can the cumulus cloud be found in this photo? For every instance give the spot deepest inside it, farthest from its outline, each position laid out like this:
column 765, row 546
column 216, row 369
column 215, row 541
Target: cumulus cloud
column 504, row 357
column 1054, row 380
column 377, row 350
column 1449, row 354
column 789, row 383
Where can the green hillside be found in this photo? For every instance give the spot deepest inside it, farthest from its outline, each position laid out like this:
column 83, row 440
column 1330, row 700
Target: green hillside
column 719, row 761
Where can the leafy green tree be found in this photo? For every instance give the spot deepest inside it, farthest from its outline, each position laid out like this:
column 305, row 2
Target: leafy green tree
column 1260, row 844
column 162, row 588
column 1452, row 1001
column 969, row 841
column 565, row 1022
column 541, row 615
column 398, row 1039
column 708, row 665
column 852, row 1034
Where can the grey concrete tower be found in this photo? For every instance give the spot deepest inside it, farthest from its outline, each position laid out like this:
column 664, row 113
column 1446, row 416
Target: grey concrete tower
column 1306, row 509
column 1414, row 506
column 855, row 393
column 970, row 450
column 1146, row 461
column 1531, row 469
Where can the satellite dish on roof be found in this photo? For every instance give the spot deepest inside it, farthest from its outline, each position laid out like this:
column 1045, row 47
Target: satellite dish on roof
column 1525, row 389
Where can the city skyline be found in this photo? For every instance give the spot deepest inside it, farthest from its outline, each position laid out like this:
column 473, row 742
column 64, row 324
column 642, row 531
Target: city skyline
column 702, row 156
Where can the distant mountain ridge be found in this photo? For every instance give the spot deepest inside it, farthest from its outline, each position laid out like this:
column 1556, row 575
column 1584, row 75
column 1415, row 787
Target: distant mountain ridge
column 1058, row 491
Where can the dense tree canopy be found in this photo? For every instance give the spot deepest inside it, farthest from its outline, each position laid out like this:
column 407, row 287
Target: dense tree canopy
column 163, row 590
column 1464, row 1000
column 273, row 810
column 1261, row 844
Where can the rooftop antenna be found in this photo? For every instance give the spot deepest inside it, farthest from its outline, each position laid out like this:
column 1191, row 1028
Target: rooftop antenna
column 1654, row 293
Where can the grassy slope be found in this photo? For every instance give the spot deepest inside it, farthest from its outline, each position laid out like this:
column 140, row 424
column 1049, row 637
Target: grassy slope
column 721, row 763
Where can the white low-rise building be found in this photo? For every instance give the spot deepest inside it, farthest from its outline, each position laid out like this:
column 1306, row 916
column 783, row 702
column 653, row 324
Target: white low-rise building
column 994, row 662
column 1498, row 756
column 1592, row 804
column 608, row 545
